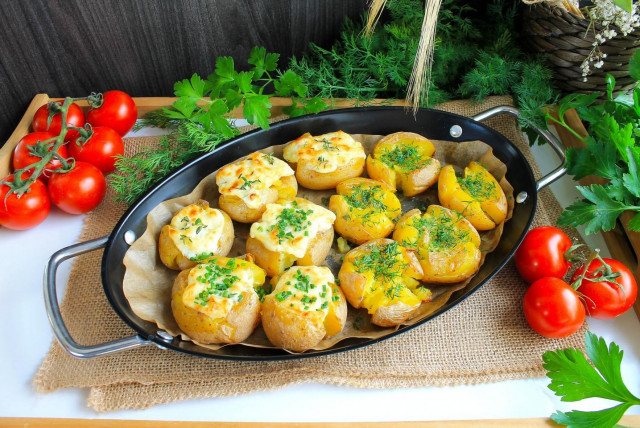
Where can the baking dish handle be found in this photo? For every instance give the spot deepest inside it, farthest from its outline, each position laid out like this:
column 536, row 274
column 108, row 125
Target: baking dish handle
column 53, row 308
column 546, row 135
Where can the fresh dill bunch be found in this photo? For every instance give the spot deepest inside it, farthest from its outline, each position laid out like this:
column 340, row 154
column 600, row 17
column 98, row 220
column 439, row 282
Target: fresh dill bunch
column 136, row 174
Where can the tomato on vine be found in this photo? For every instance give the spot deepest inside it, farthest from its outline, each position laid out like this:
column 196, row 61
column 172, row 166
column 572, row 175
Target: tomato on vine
column 31, row 148
column 100, row 149
column 608, row 287
column 117, row 111
column 26, row 210
column 546, row 251
column 79, row 190
column 75, row 118
column 553, row 308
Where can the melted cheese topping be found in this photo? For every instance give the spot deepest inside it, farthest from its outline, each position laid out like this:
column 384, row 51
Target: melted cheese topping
column 289, row 227
column 324, row 153
column 214, row 288
column 250, row 177
column 196, row 231
column 306, row 288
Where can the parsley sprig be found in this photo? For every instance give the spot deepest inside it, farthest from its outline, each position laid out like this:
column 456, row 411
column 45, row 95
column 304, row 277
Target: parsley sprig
column 574, row 379
column 199, row 118
column 612, row 152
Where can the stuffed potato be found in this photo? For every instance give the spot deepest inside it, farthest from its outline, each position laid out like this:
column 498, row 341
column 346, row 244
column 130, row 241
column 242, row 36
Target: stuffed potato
column 383, row 277
column 248, row 185
column 290, row 232
column 217, row 301
column 477, row 195
column 304, row 307
column 324, row 161
column 403, row 161
column 446, row 244
column 195, row 233
column 365, row 209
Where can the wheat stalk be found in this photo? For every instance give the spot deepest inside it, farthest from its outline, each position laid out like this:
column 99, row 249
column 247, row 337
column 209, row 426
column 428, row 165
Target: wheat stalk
column 420, row 80
column 375, row 10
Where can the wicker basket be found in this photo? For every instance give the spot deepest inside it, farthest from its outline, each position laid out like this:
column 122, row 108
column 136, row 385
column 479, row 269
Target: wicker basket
column 567, row 40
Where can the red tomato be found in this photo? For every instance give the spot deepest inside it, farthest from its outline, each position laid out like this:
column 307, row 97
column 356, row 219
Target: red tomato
column 79, row 190
column 75, row 117
column 100, row 150
column 24, row 211
column 553, row 308
column 542, row 254
column 22, row 156
column 118, row 111
column 604, row 299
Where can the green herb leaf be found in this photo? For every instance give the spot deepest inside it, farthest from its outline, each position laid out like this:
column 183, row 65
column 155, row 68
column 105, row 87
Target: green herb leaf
column 574, row 379
column 634, row 224
column 632, row 179
column 194, row 88
column 290, row 83
column 634, row 64
column 598, row 158
column 598, row 211
column 575, row 101
column 256, row 110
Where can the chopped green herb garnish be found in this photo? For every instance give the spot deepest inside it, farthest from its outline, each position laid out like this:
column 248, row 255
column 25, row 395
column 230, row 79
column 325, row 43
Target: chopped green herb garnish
column 247, row 183
column 283, row 295
column 478, row 188
column 290, row 220
column 405, row 158
column 269, row 157
column 201, row 257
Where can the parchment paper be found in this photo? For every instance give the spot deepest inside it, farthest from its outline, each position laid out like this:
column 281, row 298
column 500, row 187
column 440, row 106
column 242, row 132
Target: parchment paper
column 147, row 282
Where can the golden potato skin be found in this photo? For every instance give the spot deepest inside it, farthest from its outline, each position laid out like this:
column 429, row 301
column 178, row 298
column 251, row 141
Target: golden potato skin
column 367, row 286
column 171, row 256
column 484, row 209
column 412, row 169
column 295, row 330
column 284, row 189
column 315, row 180
column 274, row 263
column 373, row 213
column 452, row 254
column 234, row 328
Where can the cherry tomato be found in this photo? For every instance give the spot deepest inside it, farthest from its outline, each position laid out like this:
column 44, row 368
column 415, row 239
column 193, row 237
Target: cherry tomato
column 553, row 308
column 542, row 254
column 79, row 190
column 22, row 156
column 118, row 111
column 604, row 299
column 24, row 211
column 75, row 117
column 100, row 150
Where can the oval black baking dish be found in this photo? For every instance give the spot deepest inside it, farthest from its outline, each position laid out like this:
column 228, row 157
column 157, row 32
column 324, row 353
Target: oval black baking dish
column 432, row 124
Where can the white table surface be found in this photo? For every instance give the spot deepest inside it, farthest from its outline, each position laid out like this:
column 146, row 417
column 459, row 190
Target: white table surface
column 26, row 337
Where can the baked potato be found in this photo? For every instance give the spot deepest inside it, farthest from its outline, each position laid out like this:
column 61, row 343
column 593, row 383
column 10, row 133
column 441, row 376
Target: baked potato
column 446, row 244
column 383, row 277
column 477, row 195
column 248, row 185
column 365, row 209
column 324, row 161
column 304, row 307
column 289, row 232
column 403, row 161
column 217, row 301
column 195, row 233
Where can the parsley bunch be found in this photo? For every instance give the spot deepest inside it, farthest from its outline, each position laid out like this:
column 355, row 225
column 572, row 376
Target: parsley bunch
column 574, row 379
column 199, row 118
column 612, row 152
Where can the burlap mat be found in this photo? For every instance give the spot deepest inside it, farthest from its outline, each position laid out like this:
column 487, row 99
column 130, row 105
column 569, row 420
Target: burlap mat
column 484, row 339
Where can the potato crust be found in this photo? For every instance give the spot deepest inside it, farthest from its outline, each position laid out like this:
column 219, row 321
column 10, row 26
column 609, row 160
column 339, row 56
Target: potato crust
column 172, row 257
